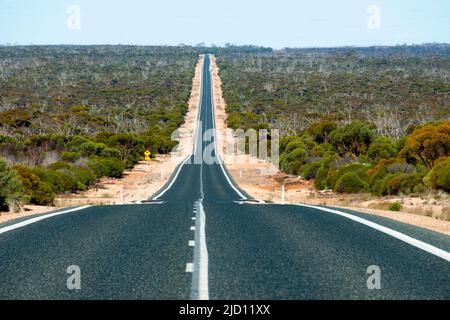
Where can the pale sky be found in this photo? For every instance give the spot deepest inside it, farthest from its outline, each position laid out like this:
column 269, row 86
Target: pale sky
column 275, row 23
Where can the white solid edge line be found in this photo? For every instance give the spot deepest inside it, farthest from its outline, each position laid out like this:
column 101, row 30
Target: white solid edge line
column 173, row 179
column 215, row 140
column 398, row 235
column 37, row 219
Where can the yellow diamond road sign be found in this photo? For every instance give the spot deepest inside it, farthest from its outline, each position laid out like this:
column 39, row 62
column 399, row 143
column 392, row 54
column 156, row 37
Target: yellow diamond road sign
column 147, row 155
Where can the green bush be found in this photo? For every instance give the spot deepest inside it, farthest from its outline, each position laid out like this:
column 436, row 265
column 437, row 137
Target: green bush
column 59, row 165
column 392, row 183
column 110, row 153
column 42, row 194
column 309, row 171
column 85, row 177
column 57, row 181
column 350, row 182
column 377, row 174
column 70, row 156
column 91, row 148
column 382, row 148
column 439, row 177
column 395, row 183
column 294, row 144
column 106, row 167
column 395, row 206
column 12, row 194
column 291, row 162
column 335, row 174
column 321, row 176
column 413, row 183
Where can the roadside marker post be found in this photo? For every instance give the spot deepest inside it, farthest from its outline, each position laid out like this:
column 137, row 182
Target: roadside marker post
column 282, row 194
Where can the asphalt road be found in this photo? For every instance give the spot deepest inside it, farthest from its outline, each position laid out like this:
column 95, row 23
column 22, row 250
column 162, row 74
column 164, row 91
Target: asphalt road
column 200, row 238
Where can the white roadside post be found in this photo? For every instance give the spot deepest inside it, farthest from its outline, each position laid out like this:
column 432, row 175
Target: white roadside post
column 282, row 194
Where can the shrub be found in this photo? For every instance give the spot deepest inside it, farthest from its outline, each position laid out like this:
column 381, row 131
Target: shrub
column 350, row 182
column 396, row 183
column 42, row 194
column 414, row 183
column 378, row 173
column 284, row 141
column 439, row 177
column 39, row 192
column 85, row 177
column 309, row 171
column 110, row 153
column 392, row 183
column 106, row 167
column 401, row 168
column 382, row 148
column 321, row 176
column 291, row 162
column 294, row 144
column 59, row 165
column 395, row 206
column 70, row 156
column 335, row 174
column 12, row 193
column 91, row 148
column 58, row 181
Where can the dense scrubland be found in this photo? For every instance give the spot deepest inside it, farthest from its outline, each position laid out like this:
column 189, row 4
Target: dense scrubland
column 70, row 115
column 353, row 119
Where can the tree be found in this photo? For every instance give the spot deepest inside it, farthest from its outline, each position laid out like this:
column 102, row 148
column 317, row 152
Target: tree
column 11, row 189
column 354, row 138
column 382, row 148
column 427, row 144
column 320, row 131
column 130, row 147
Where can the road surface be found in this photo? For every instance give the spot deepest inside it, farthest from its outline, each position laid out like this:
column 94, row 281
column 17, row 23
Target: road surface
column 201, row 238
